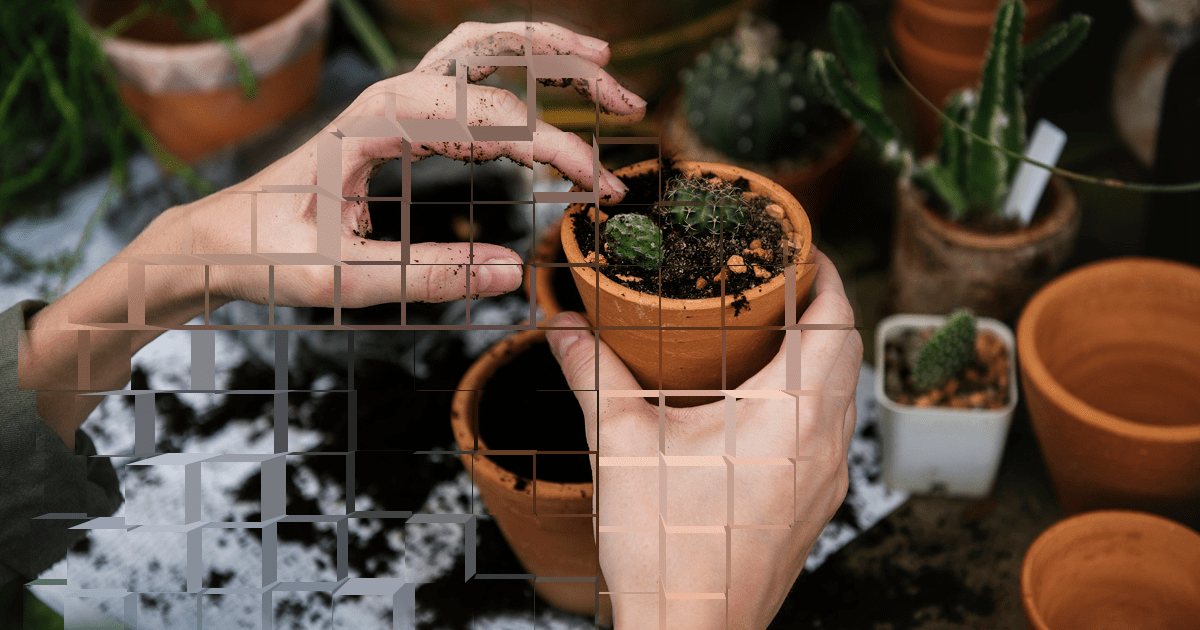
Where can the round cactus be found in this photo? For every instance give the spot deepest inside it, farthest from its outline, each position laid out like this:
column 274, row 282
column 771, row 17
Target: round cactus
column 635, row 239
column 750, row 102
column 703, row 205
column 946, row 352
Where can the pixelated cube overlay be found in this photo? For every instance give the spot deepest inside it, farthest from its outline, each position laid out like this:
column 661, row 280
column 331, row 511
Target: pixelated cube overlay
column 185, row 529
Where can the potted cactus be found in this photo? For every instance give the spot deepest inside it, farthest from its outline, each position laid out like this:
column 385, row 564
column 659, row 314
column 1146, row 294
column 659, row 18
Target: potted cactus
column 954, row 244
column 688, row 282
column 751, row 101
column 946, row 389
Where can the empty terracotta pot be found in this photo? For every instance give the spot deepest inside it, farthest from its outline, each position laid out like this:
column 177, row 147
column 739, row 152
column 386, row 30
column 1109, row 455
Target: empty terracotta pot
column 1113, row 569
column 187, row 93
column 681, row 340
column 1110, row 362
column 939, row 265
column 539, row 277
column 547, row 524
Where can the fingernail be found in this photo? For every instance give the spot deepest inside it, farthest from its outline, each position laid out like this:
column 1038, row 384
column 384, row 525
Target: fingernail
column 593, row 43
column 615, row 183
column 498, row 275
column 562, row 340
column 635, row 101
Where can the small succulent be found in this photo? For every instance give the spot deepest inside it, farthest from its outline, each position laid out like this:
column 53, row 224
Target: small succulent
column 703, row 204
column 968, row 175
column 634, row 238
column 751, row 98
column 946, row 352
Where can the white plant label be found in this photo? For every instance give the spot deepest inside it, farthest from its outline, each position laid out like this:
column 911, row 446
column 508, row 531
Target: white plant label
column 1045, row 146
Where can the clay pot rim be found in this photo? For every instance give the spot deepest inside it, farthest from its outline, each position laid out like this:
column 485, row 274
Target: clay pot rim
column 1143, row 521
column 129, row 47
column 540, row 269
column 966, row 17
column 1034, row 369
column 1063, row 211
column 932, row 56
column 465, row 405
column 758, row 184
column 917, row 321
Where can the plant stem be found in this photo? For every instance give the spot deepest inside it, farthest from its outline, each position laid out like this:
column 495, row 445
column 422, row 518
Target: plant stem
column 1087, row 179
column 368, row 34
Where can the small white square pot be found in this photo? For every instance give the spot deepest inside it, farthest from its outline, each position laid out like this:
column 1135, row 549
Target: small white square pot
column 956, row 451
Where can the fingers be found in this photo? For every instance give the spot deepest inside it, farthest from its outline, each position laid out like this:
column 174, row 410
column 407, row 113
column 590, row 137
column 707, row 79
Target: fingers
column 437, row 272
column 434, row 97
column 830, row 346
column 548, row 39
column 584, row 369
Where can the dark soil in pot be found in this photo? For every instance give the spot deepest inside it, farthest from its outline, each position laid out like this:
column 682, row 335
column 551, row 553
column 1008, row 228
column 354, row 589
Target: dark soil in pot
column 527, row 405
column 981, row 384
column 695, row 265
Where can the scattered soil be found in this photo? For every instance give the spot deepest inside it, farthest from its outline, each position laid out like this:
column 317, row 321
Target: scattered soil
column 982, row 384
column 527, row 405
column 695, row 265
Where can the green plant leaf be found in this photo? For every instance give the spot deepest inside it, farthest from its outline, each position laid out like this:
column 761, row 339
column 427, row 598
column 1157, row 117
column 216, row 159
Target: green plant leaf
column 1053, row 47
column 209, row 22
column 952, row 147
column 874, row 122
column 369, row 35
column 987, row 168
column 855, row 51
column 940, row 180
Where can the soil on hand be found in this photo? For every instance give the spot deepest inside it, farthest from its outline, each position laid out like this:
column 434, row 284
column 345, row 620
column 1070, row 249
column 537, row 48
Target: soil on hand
column 527, row 405
column 982, row 384
column 695, row 265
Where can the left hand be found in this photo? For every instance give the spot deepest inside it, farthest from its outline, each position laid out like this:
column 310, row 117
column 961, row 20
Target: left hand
column 371, row 125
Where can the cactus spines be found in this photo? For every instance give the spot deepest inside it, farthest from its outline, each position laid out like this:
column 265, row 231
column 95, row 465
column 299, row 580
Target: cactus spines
column 751, row 98
column 635, row 239
column 946, row 352
column 702, row 204
column 968, row 175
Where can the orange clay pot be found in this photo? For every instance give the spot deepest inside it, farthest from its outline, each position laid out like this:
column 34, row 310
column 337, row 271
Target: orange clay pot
column 187, row 93
column 539, row 277
column 1113, row 569
column 813, row 185
column 1110, row 362
column 940, row 46
column 681, row 340
column 938, row 265
column 547, row 524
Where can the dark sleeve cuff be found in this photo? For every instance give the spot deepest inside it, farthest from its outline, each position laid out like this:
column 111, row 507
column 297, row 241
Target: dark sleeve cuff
column 39, row 475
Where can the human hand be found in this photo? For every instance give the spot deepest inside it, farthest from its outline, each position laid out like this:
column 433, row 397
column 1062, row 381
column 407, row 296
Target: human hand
column 785, row 472
column 291, row 217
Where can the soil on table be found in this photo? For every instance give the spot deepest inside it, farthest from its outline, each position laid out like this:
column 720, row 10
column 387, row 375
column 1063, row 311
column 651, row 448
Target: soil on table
column 527, row 405
column 695, row 265
column 982, row 384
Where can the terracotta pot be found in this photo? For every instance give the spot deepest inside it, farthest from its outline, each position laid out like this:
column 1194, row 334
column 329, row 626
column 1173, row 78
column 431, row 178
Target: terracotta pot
column 938, row 265
column 813, row 185
column 187, row 94
column 684, row 337
column 650, row 41
column 940, row 45
column 1110, row 361
column 1113, row 569
column 547, row 524
column 539, row 277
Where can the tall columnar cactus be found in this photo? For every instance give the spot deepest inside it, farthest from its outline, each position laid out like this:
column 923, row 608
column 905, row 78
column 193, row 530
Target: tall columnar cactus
column 947, row 351
column 968, row 175
column 753, row 99
column 634, row 238
column 702, row 204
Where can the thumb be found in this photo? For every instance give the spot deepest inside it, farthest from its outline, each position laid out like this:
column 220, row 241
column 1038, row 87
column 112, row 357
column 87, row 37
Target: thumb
column 588, row 364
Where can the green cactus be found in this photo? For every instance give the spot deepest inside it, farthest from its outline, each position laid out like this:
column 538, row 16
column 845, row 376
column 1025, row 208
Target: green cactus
column 753, row 99
column 703, row 205
column 946, row 351
column 968, row 175
column 634, row 238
